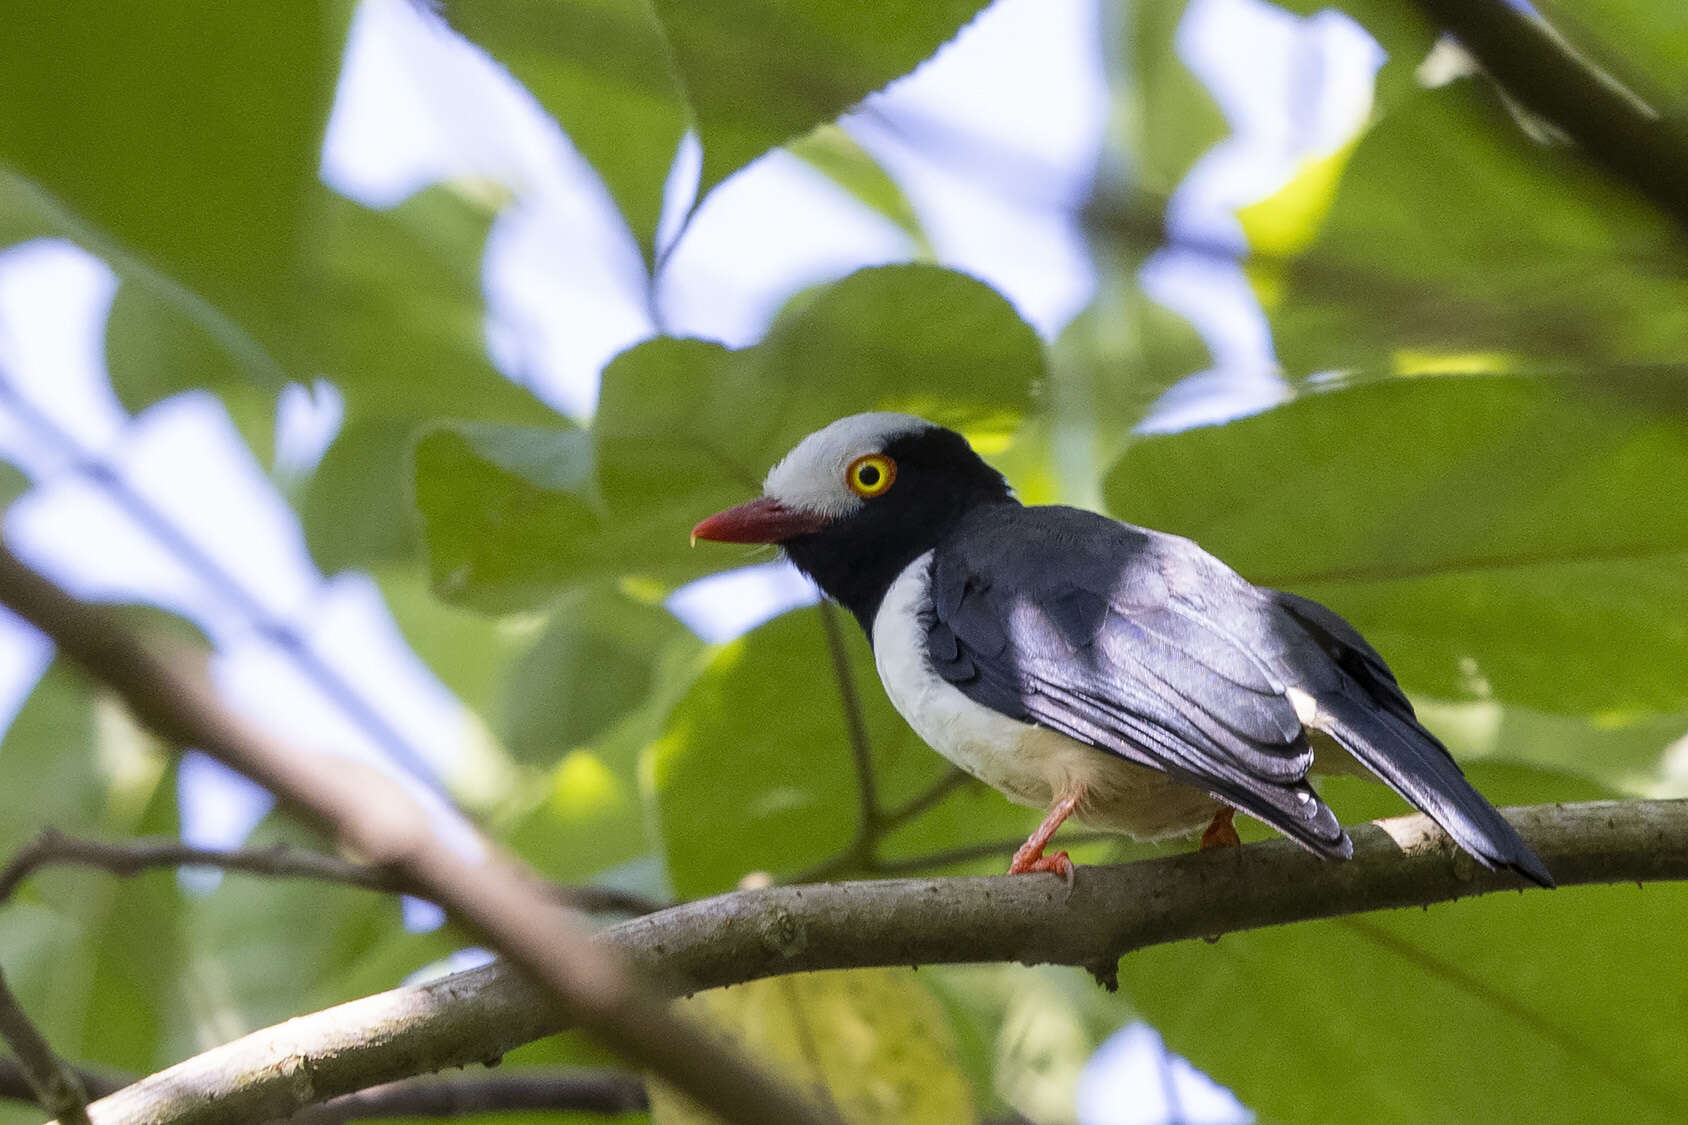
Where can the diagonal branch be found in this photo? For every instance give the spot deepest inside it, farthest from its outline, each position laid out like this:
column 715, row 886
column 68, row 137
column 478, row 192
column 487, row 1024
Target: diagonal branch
column 57, row 1087
column 1637, row 143
column 749, row 935
column 280, row 861
column 220, row 581
column 481, row 887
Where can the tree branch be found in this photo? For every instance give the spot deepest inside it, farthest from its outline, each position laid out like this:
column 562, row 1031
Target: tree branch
column 223, row 583
column 15, row 1087
column 749, row 935
column 604, row 1092
column 56, row 1087
column 576, row 1089
column 484, row 889
column 1636, row 142
column 131, row 857
column 967, row 853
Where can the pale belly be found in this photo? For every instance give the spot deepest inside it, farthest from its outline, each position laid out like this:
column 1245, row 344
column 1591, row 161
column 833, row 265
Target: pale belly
column 1031, row 765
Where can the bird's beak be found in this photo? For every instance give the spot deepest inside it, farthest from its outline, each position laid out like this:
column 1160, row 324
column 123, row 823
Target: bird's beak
column 763, row 520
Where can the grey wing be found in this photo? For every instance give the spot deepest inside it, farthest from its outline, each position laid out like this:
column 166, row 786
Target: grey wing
column 1063, row 620
column 1363, row 708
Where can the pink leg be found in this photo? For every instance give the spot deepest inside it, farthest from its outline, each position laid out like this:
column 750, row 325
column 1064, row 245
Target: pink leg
column 1221, row 833
column 1030, row 857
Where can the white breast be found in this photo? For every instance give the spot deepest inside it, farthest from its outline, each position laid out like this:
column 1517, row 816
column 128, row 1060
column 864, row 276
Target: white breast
column 1030, row 764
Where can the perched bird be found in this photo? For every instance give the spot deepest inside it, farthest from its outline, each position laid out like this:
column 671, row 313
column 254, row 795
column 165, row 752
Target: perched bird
column 1092, row 668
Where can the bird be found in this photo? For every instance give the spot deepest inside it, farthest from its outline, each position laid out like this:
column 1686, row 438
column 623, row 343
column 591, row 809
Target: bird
column 1097, row 670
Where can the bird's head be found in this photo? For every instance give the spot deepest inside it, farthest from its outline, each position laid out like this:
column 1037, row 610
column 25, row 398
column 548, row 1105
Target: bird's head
column 856, row 502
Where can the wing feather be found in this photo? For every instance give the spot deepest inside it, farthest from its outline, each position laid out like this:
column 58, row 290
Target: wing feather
column 1094, row 643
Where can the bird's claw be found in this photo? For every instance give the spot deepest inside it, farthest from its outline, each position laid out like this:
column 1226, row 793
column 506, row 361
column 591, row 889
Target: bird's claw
column 1059, row 863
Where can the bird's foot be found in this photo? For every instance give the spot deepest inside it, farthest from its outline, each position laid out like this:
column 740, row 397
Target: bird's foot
column 1222, row 833
column 1029, row 860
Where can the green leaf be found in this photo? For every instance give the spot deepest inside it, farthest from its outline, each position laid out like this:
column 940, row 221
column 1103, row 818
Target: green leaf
column 1490, row 535
column 874, row 1040
column 835, row 154
column 589, row 820
column 601, row 68
column 399, row 326
column 686, row 427
column 592, row 665
column 1540, row 1007
column 400, row 314
column 155, row 349
column 48, row 774
column 13, row 484
column 21, row 216
column 107, row 987
column 470, row 652
column 355, row 508
column 1457, row 243
column 762, row 732
column 270, row 966
column 1633, row 39
column 186, row 135
column 135, row 1017
column 506, row 511
column 759, row 72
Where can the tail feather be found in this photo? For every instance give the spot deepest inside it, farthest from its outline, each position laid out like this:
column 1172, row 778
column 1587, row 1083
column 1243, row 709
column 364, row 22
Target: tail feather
column 1419, row 768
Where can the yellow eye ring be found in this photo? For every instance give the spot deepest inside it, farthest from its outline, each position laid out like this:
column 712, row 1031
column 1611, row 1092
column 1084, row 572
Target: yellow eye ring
column 870, row 475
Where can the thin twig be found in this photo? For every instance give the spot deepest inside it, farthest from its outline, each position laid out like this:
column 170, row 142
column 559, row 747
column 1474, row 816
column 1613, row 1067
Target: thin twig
column 480, row 886
column 282, row 861
column 15, row 1087
column 955, row 779
column 57, row 1087
column 855, row 724
column 751, row 935
column 861, row 855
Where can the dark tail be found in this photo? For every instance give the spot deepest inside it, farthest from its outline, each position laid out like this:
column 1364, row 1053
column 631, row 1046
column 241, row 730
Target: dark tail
column 1419, row 768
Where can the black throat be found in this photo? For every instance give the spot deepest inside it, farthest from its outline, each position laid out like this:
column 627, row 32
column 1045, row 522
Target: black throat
column 939, row 480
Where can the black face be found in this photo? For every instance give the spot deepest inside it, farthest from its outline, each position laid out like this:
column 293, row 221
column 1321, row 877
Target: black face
column 939, row 479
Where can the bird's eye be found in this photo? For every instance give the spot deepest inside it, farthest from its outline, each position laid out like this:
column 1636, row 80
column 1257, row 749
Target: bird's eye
column 871, row 475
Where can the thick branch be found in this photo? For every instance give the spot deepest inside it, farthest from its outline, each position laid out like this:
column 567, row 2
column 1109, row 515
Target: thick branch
column 279, row 861
column 490, row 893
column 748, row 935
column 1639, row 144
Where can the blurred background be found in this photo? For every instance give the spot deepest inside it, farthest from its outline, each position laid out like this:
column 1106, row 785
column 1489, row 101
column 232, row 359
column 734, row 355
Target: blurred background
column 395, row 351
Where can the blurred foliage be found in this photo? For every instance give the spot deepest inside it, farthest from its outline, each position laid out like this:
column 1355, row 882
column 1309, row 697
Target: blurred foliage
column 1455, row 242
column 1514, row 502
column 1480, row 459
column 601, row 68
column 875, row 1040
column 1510, row 1007
column 758, row 73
